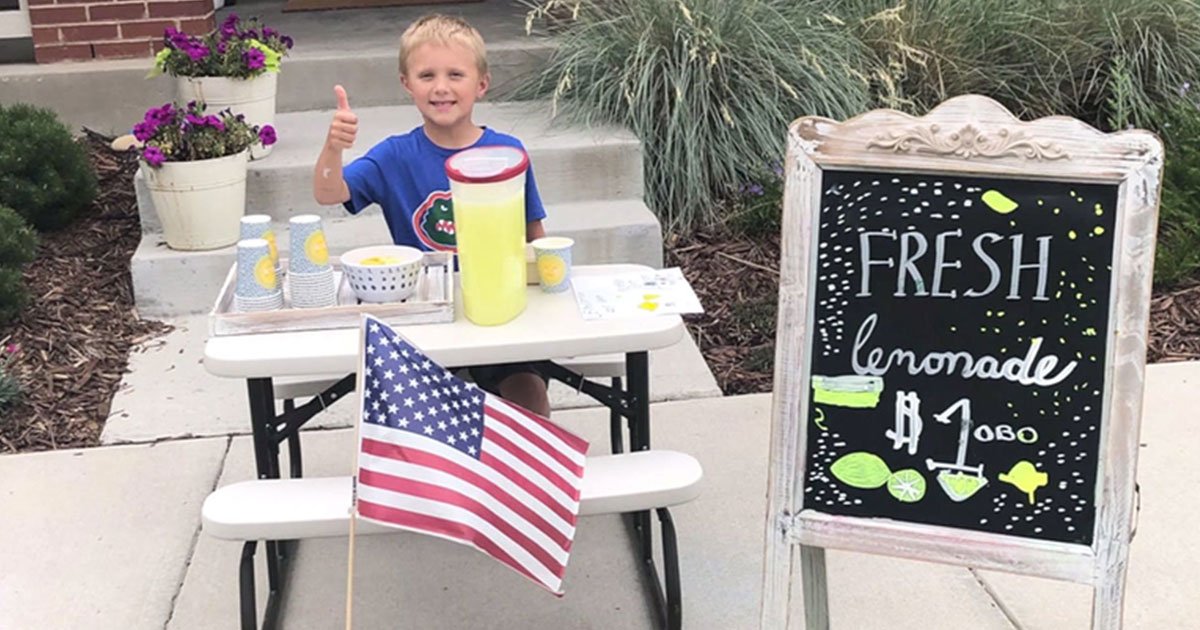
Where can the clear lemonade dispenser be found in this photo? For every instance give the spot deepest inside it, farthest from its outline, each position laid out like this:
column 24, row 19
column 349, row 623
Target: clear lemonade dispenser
column 487, row 185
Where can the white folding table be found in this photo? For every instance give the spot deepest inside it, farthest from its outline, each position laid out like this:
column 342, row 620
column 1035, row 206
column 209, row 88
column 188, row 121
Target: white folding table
column 550, row 327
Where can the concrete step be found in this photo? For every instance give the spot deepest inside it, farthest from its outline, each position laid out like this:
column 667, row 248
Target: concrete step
column 119, row 93
column 167, row 282
column 166, row 393
column 570, row 164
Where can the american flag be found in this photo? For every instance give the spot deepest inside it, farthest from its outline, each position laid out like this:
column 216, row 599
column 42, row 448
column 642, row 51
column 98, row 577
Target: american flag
column 440, row 456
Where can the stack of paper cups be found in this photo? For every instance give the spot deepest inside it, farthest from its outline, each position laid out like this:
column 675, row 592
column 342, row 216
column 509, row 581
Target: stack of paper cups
column 259, row 226
column 310, row 276
column 257, row 286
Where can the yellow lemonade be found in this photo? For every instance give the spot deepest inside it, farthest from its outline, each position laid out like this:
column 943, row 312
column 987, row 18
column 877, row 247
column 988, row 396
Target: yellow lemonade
column 491, row 258
column 376, row 261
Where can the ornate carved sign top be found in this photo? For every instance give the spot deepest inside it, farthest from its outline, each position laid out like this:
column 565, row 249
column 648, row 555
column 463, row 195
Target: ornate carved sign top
column 967, row 143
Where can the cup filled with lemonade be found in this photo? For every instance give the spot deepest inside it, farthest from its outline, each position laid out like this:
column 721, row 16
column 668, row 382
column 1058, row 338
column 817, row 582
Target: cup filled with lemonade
column 382, row 273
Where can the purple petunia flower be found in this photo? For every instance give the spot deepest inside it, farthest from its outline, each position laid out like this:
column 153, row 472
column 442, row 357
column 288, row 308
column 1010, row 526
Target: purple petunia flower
column 175, row 38
column 752, row 189
column 160, row 115
column 214, row 122
column 144, row 130
column 250, row 34
column 254, row 58
column 287, row 41
column 267, row 135
column 195, row 120
column 268, row 32
column 153, row 156
column 197, row 51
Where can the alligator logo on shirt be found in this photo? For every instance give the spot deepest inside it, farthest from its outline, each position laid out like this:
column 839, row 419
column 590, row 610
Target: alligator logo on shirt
column 433, row 222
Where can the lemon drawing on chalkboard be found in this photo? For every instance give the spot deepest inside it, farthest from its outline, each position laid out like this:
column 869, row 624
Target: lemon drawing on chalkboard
column 861, row 470
column 906, row 486
column 997, row 201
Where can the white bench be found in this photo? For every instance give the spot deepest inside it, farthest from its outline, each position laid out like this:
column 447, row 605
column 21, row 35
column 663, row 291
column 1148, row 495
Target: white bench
column 276, row 510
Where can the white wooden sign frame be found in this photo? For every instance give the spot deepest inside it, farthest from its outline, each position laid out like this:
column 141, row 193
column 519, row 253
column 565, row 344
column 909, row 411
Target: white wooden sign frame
column 969, row 136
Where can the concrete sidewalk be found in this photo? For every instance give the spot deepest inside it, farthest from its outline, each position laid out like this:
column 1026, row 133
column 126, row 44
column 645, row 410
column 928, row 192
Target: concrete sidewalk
column 109, row 538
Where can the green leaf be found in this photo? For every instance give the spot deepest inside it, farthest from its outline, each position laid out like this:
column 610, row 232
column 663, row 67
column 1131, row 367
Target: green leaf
column 861, row 470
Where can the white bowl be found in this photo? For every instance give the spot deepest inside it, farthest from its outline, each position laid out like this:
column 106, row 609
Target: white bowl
column 383, row 283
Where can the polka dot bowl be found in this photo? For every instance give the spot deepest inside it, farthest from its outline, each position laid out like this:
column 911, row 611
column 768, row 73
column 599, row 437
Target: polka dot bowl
column 383, row 273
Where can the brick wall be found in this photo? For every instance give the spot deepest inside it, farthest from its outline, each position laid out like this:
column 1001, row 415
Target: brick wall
column 97, row 29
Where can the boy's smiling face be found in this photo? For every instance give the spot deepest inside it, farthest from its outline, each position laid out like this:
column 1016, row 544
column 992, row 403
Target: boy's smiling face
column 444, row 82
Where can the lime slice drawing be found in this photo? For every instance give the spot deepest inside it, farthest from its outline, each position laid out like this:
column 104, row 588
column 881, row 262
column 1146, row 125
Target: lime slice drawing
column 960, row 486
column 860, row 470
column 906, row 486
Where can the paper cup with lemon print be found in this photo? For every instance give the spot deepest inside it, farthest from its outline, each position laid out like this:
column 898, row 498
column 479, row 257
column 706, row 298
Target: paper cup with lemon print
column 259, row 226
column 255, row 272
column 309, row 251
column 553, row 255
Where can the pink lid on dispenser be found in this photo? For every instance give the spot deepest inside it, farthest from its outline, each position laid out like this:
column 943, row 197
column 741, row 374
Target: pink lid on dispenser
column 486, row 165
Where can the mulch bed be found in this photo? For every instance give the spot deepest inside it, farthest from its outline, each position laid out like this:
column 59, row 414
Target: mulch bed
column 76, row 334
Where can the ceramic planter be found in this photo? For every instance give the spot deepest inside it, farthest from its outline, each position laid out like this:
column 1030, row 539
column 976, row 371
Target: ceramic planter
column 255, row 98
column 200, row 203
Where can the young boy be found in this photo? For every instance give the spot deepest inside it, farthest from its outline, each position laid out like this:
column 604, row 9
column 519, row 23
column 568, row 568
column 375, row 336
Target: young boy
column 444, row 68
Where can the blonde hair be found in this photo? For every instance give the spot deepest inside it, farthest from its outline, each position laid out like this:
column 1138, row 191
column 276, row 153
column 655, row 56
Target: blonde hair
column 442, row 29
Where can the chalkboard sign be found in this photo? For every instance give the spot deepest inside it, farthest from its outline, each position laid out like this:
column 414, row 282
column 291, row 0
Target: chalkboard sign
column 957, row 356
column 960, row 359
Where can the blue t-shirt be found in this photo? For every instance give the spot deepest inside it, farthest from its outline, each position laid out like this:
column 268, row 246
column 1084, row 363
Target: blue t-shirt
column 406, row 176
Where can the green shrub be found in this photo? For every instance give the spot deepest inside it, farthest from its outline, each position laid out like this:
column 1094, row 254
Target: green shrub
column 1110, row 63
column 708, row 86
column 12, row 294
column 1177, row 256
column 10, row 387
column 44, row 174
column 757, row 210
column 18, row 241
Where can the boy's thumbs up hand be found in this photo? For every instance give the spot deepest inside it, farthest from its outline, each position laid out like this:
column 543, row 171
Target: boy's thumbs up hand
column 344, row 127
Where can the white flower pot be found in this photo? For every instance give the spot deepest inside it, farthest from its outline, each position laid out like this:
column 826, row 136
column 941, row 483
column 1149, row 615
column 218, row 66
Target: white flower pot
column 255, row 98
column 200, row 204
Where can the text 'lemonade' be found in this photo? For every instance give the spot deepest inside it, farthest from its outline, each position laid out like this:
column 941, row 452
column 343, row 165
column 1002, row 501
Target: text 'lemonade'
column 488, row 188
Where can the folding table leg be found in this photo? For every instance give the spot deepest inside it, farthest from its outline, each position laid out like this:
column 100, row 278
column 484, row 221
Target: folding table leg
column 674, row 599
column 295, row 464
column 266, row 458
column 665, row 597
column 246, row 587
column 614, row 422
column 637, row 369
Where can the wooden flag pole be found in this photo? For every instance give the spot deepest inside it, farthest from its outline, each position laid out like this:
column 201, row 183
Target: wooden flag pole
column 350, row 573
column 362, row 342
